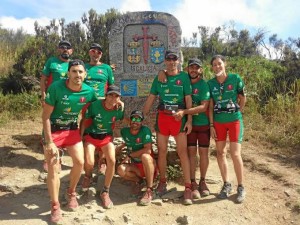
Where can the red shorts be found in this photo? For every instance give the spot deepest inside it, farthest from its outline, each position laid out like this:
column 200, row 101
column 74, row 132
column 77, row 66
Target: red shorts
column 65, row 138
column 97, row 142
column 200, row 135
column 142, row 172
column 167, row 125
column 235, row 131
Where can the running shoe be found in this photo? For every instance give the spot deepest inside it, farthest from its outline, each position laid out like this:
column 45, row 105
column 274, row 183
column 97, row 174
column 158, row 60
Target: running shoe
column 102, row 168
column 72, row 201
column 106, row 201
column 241, row 194
column 55, row 213
column 147, row 198
column 195, row 192
column 161, row 188
column 86, row 183
column 226, row 190
column 187, row 196
column 204, row 191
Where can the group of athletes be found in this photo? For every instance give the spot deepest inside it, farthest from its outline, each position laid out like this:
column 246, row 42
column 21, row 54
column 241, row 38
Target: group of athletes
column 81, row 106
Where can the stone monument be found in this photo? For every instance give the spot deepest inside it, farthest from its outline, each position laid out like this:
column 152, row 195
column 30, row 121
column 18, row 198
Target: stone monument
column 137, row 45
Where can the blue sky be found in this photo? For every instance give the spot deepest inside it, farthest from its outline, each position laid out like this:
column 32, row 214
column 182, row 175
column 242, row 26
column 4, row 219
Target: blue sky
column 274, row 16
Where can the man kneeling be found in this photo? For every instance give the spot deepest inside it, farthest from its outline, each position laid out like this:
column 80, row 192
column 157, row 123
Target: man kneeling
column 139, row 162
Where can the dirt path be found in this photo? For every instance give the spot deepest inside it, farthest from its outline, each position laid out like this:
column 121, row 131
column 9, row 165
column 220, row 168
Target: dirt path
column 273, row 191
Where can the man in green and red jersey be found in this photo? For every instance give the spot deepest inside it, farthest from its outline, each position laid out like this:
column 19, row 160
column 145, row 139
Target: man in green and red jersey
column 99, row 135
column 139, row 163
column 99, row 75
column 173, row 95
column 56, row 68
column 63, row 103
column 200, row 134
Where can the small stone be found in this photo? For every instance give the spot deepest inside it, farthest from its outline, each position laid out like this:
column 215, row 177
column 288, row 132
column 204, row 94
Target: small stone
column 287, row 193
column 126, row 217
column 158, row 202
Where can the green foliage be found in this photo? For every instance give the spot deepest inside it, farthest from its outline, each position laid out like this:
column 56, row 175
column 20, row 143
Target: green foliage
column 19, row 106
column 174, row 172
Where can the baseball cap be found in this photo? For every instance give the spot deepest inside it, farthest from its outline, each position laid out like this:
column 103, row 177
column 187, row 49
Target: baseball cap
column 171, row 55
column 195, row 61
column 76, row 62
column 137, row 113
column 96, row 46
column 64, row 43
column 113, row 89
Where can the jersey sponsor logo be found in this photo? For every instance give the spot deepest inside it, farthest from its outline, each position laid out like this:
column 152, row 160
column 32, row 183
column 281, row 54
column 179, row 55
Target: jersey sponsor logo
column 100, row 71
column 138, row 140
column 65, row 98
column 98, row 115
column 178, row 82
column 230, row 87
column 113, row 119
column 68, row 109
column 82, row 99
column 167, row 90
column 196, row 91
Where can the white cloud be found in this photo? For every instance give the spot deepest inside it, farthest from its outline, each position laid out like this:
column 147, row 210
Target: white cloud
column 135, row 5
column 26, row 23
column 276, row 16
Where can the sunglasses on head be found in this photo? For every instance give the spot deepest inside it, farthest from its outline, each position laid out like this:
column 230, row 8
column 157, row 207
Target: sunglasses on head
column 95, row 51
column 138, row 119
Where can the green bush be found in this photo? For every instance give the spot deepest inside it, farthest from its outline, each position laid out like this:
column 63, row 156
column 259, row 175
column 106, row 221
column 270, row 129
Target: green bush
column 20, row 106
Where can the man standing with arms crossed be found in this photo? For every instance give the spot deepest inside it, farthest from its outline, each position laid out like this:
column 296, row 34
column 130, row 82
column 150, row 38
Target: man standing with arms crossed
column 173, row 95
column 63, row 103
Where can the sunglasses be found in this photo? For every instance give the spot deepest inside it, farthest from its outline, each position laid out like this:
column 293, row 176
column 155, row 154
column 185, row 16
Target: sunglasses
column 95, row 51
column 134, row 119
column 65, row 47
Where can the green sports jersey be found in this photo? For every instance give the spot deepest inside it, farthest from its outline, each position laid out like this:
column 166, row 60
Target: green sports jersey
column 103, row 119
column 200, row 93
column 225, row 98
column 55, row 69
column 99, row 77
column 174, row 90
column 67, row 103
column 136, row 142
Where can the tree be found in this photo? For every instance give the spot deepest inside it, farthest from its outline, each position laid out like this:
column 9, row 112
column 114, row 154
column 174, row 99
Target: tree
column 98, row 28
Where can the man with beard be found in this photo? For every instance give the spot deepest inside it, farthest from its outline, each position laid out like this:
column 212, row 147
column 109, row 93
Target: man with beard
column 55, row 68
column 200, row 134
column 139, row 163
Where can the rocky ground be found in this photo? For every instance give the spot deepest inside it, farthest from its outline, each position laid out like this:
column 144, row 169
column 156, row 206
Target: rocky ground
column 272, row 184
